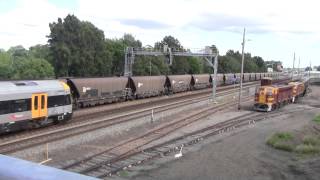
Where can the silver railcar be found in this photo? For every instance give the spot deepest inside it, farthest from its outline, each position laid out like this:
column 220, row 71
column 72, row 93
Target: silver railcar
column 26, row 104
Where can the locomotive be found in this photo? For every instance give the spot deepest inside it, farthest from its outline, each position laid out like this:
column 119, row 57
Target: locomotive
column 272, row 96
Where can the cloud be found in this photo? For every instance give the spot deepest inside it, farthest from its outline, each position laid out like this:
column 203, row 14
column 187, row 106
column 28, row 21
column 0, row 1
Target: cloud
column 143, row 23
column 224, row 22
column 236, row 23
column 28, row 23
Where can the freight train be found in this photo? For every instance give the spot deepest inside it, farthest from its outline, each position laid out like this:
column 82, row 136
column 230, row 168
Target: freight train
column 27, row 104
column 272, row 96
column 94, row 91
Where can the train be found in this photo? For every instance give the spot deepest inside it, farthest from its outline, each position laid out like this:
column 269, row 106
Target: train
column 30, row 104
column 36, row 103
column 94, row 91
column 270, row 97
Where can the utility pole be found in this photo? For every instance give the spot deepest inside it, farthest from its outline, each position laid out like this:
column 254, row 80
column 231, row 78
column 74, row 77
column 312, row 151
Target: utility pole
column 150, row 66
column 309, row 74
column 294, row 59
column 299, row 67
column 214, row 82
column 242, row 61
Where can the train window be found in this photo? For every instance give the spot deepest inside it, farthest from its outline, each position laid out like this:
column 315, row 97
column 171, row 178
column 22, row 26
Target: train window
column 13, row 106
column 4, row 107
column 67, row 100
column 36, row 103
column 61, row 100
column 20, row 105
column 54, row 101
column 42, row 101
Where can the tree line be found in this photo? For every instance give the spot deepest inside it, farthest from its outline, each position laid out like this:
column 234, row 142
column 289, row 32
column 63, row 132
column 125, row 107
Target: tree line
column 77, row 48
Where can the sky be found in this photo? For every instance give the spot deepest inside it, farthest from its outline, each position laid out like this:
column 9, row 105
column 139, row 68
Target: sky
column 275, row 29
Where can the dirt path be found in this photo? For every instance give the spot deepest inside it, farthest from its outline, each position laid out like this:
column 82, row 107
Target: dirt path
column 243, row 154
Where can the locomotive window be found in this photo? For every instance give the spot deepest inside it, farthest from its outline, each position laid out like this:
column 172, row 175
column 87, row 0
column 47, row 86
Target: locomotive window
column 36, row 103
column 42, row 101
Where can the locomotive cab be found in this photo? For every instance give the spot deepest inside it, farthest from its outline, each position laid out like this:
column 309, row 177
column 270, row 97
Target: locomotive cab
column 264, row 98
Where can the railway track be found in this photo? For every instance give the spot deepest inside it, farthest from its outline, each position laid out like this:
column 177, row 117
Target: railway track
column 134, row 151
column 50, row 134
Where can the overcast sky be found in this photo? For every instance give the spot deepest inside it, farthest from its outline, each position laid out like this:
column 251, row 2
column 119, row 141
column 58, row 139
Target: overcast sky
column 276, row 28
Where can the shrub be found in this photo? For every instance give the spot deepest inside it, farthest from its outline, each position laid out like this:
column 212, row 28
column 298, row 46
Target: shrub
column 280, row 141
column 317, row 119
column 307, row 149
column 308, row 140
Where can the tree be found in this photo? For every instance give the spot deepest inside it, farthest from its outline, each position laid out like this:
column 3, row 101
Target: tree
column 318, row 68
column 116, row 48
column 260, row 64
column 6, row 63
column 308, row 68
column 40, row 51
column 78, row 48
column 18, row 51
column 180, row 65
column 171, row 42
column 142, row 66
column 32, row 68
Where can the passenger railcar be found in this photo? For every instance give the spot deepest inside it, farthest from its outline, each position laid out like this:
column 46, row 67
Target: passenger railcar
column 25, row 104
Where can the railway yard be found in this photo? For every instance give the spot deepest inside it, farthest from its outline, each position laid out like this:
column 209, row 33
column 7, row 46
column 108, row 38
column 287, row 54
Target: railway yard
column 166, row 137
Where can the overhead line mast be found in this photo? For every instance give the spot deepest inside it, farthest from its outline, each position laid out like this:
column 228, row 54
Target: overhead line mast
column 210, row 56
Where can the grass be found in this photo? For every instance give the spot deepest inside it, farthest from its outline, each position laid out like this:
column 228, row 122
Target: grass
column 311, row 140
column 284, row 141
column 317, row 119
column 307, row 144
column 281, row 141
column 307, row 149
column 123, row 173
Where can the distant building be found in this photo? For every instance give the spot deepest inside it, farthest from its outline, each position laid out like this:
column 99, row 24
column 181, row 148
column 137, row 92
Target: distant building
column 276, row 66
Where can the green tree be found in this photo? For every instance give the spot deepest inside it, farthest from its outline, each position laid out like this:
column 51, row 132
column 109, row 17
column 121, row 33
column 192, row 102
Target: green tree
column 18, row 51
column 180, row 65
column 40, row 51
column 144, row 64
column 32, row 68
column 260, row 64
column 195, row 65
column 78, row 48
column 171, row 42
column 6, row 63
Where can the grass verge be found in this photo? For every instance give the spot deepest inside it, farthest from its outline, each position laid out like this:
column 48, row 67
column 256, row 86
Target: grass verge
column 281, row 141
column 123, row 173
column 317, row 119
column 310, row 144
